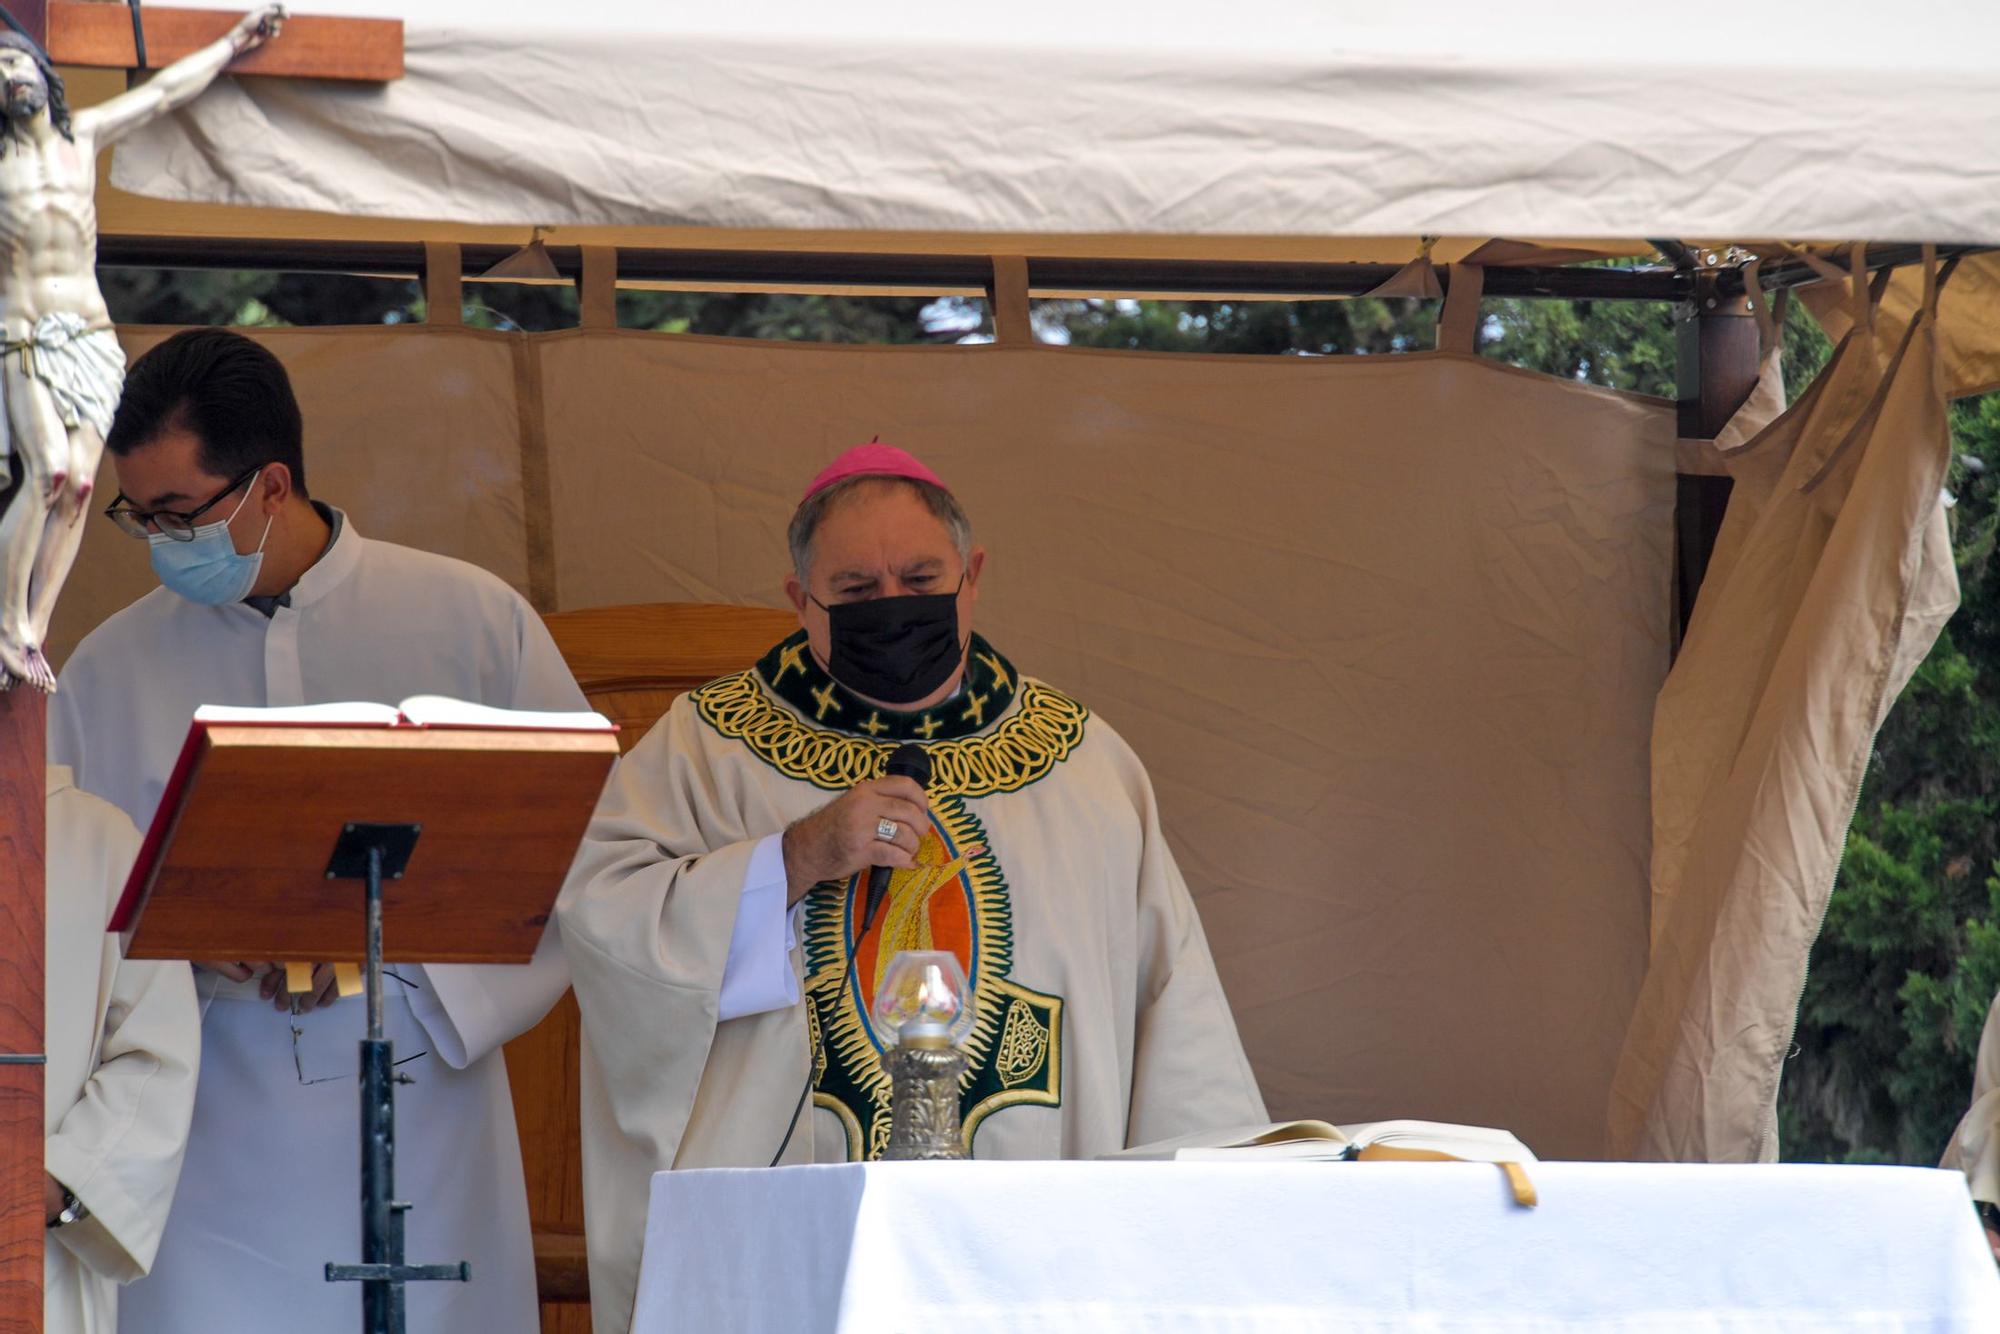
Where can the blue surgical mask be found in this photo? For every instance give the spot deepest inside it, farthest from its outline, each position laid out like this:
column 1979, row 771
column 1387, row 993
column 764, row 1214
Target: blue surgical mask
column 207, row 568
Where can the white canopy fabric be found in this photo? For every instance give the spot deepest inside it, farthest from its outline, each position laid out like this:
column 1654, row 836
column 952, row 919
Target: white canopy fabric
column 1096, row 116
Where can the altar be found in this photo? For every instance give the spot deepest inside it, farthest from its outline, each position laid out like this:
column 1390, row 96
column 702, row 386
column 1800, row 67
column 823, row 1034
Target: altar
column 1364, row 1248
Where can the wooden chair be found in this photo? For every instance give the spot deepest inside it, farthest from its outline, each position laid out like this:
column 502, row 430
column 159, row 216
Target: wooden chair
column 632, row 662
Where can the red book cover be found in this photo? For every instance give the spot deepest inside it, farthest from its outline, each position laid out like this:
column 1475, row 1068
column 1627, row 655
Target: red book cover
column 140, row 882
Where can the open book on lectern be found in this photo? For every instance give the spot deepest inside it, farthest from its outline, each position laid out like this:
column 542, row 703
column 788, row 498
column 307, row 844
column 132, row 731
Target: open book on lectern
column 236, row 862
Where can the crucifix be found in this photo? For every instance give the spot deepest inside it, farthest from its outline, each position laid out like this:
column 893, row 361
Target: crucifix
column 61, row 372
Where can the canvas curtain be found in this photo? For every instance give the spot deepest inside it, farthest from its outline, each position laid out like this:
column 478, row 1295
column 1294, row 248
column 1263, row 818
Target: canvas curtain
column 1261, row 117
column 1386, row 630
column 1830, row 581
column 1968, row 319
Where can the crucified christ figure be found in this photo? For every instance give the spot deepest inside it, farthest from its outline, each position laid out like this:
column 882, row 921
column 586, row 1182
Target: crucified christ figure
column 61, row 369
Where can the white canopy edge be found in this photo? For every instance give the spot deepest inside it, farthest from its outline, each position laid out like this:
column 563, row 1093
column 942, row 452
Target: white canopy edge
column 1258, row 118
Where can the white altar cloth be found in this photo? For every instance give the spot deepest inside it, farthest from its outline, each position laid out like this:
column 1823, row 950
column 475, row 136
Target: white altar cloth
column 1049, row 1248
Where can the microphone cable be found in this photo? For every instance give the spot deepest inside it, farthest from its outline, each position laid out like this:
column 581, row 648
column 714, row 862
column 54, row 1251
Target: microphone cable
column 797, row 1107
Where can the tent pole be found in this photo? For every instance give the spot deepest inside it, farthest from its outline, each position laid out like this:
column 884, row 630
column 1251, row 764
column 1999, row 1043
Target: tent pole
column 1716, row 353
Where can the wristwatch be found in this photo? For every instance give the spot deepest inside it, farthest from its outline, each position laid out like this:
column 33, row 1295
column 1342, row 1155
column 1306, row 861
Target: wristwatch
column 73, row 1211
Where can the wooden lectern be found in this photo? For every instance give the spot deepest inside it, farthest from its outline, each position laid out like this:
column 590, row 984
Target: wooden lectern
column 373, row 843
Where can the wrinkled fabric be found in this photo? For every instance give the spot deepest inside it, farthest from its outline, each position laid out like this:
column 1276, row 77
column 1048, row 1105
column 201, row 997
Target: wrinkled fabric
column 1264, row 117
column 1968, row 319
column 1385, row 631
column 82, row 367
column 1829, row 582
column 1975, row 1142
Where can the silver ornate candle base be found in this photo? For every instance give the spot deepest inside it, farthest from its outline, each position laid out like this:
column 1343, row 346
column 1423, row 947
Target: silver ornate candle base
column 923, row 1111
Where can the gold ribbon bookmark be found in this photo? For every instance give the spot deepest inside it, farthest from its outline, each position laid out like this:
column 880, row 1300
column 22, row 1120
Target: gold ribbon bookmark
column 1518, row 1184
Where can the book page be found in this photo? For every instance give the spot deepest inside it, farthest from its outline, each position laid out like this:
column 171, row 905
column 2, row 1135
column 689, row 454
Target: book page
column 1481, row 1144
column 1316, row 1141
column 442, row 711
column 352, row 713
column 1278, row 1138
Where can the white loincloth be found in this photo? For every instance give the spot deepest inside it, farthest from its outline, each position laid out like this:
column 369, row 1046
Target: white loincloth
column 81, row 363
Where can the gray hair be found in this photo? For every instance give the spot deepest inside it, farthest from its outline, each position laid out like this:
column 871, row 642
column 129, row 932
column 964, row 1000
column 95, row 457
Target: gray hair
column 805, row 522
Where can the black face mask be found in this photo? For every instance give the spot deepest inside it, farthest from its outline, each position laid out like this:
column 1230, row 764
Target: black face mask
column 898, row 649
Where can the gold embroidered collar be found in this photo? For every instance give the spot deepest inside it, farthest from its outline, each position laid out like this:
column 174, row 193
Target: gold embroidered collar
column 793, row 675
column 780, row 708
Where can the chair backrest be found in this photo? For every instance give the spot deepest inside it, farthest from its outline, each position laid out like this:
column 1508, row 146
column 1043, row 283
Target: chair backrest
column 632, row 663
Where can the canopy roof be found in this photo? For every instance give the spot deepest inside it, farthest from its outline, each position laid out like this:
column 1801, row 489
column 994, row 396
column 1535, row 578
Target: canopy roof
column 1258, row 119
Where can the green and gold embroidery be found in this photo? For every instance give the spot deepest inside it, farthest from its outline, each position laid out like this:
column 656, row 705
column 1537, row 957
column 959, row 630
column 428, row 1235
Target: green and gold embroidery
column 1042, row 731
column 794, row 677
column 956, row 898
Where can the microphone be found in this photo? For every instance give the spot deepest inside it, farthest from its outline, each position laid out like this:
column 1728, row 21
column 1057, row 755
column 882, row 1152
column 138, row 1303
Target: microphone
column 908, row 760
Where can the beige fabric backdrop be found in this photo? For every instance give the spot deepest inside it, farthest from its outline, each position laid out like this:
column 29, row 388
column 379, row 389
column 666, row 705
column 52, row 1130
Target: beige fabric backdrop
column 1830, row 581
column 1387, row 631
column 1968, row 319
column 416, row 430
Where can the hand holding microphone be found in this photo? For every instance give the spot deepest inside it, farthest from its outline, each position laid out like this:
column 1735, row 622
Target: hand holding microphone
column 907, row 761
column 874, row 826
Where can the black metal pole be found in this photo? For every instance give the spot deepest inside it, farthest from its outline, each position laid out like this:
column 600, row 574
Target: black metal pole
column 381, row 1299
column 370, row 852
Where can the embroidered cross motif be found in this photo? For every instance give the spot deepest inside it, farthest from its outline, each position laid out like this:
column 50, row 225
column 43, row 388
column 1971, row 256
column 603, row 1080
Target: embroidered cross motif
column 791, row 658
column 824, row 697
column 1000, row 678
column 874, row 726
column 975, row 710
column 928, row 729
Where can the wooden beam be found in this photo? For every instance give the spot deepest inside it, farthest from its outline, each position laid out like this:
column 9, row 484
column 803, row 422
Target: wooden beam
column 23, row 840
column 96, row 35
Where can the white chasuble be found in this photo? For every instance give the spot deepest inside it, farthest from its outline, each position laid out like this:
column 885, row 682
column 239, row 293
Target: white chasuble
column 122, row 1039
column 271, row 1189
column 1100, row 1020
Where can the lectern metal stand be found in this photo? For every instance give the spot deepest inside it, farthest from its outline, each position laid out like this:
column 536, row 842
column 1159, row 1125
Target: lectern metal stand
column 372, row 852
column 500, row 811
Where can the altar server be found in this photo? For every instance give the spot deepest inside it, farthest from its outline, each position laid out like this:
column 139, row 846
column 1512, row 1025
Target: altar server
column 122, row 1038
column 270, row 597
column 715, row 915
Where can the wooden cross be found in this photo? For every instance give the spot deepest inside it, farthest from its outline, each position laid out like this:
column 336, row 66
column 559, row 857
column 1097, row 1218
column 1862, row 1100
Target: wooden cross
column 83, row 33
column 23, row 840
column 94, row 34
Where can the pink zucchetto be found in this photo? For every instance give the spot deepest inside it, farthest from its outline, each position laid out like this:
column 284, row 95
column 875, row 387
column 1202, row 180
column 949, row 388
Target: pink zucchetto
column 873, row 459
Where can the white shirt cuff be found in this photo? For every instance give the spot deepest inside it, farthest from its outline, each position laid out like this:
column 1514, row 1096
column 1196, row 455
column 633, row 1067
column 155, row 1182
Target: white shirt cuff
column 758, row 975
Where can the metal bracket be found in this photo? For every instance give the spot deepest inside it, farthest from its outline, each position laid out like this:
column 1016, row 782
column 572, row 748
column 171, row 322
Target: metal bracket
column 22, row 1058
column 350, row 851
column 1710, row 297
column 455, row 1273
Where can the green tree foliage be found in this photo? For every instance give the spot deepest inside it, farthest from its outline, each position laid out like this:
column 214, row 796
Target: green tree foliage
column 1319, row 328
column 170, row 296
column 1910, row 956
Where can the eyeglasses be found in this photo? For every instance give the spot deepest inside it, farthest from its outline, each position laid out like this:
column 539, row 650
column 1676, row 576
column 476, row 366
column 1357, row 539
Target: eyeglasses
column 135, row 522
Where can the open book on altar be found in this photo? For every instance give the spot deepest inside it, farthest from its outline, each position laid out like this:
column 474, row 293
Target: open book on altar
column 1317, row 1141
